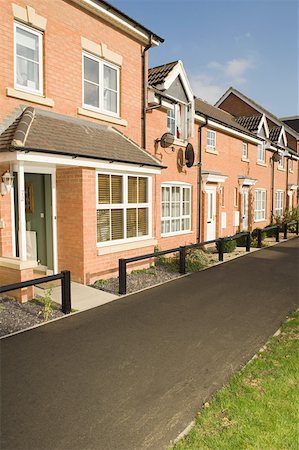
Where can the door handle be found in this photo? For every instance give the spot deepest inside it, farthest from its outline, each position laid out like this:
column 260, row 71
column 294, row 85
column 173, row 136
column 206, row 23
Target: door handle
column 209, row 221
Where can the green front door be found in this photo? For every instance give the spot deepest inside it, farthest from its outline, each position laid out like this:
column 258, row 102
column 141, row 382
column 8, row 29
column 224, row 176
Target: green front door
column 38, row 195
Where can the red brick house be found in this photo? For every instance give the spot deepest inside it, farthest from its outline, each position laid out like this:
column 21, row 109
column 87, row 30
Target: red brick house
column 111, row 160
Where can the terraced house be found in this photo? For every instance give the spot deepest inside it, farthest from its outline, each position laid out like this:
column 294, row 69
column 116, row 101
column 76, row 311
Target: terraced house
column 103, row 159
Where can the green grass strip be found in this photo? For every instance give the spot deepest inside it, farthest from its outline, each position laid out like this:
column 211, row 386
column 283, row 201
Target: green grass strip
column 259, row 408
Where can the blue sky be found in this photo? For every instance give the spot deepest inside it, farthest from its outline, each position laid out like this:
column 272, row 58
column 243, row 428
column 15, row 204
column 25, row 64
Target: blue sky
column 249, row 44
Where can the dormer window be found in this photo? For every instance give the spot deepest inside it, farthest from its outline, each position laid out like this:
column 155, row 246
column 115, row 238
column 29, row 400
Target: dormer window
column 261, row 153
column 178, row 121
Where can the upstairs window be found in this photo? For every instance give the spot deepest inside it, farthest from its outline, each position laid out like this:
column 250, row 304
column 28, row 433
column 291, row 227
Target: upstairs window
column 280, row 163
column 244, row 150
column 211, row 139
column 179, row 121
column 28, row 59
column 261, row 153
column 291, row 165
column 100, row 85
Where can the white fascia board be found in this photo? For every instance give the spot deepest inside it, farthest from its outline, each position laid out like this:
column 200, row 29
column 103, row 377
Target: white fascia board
column 199, row 119
column 175, row 72
column 116, row 20
column 62, row 160
column 263, row 122
column 283, row 135
column 234, row 132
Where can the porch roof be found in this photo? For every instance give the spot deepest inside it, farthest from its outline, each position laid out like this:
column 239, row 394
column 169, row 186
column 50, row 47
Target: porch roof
column 48, row 132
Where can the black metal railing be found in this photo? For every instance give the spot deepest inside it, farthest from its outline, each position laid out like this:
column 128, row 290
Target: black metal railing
column 64, row 276
column 122, row 263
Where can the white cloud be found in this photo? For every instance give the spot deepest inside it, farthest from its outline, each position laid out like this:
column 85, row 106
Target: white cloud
column 243, row 37
column 213, row 81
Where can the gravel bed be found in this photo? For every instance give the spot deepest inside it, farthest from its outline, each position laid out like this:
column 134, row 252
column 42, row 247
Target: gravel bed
column 15, row 316
column 138, row 279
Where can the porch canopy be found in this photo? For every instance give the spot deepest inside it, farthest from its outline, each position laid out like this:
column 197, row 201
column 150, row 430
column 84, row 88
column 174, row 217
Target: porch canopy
column 45, row 140
column 37, row 130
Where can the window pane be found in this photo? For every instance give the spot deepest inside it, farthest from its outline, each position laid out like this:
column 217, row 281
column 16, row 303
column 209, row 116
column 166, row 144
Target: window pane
column 142, row 190
column 27, row 73
column 131, row 222
column 132, row 189
column 165, row 194
column 91, row 94
column 116, row 185
column 27, row 44
column 117, row 224
column 91, row 70
column 110, row 78
column 110, row 101
column 103, row 189
column 103, row 225
column 142, row 221
column 185, row 224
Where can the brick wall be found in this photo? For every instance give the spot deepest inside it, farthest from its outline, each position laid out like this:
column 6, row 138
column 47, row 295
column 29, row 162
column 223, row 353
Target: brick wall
column 5, row 215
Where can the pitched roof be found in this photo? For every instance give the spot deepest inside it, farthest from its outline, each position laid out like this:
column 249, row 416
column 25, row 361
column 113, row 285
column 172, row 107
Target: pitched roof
column 250, row 122
column 157, row 75
column 274, row 133
column 260, row 108
column 218, row 114
column 43, row 131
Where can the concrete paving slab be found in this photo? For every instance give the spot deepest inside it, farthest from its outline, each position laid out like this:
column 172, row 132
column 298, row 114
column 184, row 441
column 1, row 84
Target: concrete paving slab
column 83, row 297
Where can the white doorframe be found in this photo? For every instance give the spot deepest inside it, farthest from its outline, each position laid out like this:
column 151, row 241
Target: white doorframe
column 21, row 169
column 245, row 209
column 211, row 212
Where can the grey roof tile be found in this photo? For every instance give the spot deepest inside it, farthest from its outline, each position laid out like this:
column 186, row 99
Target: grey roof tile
column 250, row 122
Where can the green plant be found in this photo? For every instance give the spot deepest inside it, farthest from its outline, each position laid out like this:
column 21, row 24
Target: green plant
column 228, row 246
column 47, row 304
column 288, row 216
column 255, row 232
column 196, row 259
column 242, row 240
column 101, row 282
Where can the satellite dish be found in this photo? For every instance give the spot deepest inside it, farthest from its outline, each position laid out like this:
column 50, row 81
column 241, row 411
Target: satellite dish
column 166, row 140
column 189, row 155
column 276, row 157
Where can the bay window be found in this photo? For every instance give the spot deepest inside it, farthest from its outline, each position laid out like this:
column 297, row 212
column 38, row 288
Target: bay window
column 122, row 207
column 100, row 85
column 28, row 52
column 175, row 209
column 259, row 204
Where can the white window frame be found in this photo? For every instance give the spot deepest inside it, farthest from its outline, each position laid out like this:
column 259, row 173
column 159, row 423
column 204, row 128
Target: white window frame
column 260, row 205
column 244, row 150
column 213, row 133
column 126, row 205
column 280, row 164
column 39, row 34
column 291, row 165
column 261, row 151
column 181, row 186
column 101, row 63
column 279, row 203
column 172, row 119
column 236, row 193
column 180, row 120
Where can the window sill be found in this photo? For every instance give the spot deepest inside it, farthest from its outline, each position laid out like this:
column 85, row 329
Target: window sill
column 101, row 116
column 259, row 220
column 180, row 142
column 126, row 246
column 281, row 169
column 291, row 171
column 212, row 151
column 29, row 97
column 260, row 163
column 175, row 233
column 246, row 160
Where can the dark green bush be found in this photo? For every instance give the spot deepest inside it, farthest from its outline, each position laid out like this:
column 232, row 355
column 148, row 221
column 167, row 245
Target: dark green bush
column 228, row 246
column 242, row 240
column 254, row 234
column 196, row 259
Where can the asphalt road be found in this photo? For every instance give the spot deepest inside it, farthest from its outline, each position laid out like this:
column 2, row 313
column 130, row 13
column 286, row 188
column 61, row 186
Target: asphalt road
column 133, row 373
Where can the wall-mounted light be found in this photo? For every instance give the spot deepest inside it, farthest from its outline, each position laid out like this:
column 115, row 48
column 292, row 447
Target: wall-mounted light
column 7, row 183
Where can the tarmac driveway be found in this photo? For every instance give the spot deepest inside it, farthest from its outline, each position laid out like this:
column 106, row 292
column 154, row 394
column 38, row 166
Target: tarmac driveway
column 133, row 373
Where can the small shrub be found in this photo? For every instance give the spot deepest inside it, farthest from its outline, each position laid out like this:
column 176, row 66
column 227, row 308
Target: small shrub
column 47, row 303
column 228, row 246
column 254, row 234
column 242, row 240
column 196, row 259
column 101, row 282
